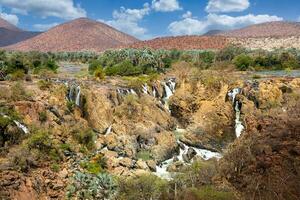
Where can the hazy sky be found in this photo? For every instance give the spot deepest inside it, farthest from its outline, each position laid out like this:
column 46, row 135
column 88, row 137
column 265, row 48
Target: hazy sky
column 151, row 18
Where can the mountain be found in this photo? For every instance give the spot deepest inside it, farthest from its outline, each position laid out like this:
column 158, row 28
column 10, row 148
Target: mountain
column 78, row 35
column 268, row 29
column 10, row 34
column 213, row 32
column 184, row 43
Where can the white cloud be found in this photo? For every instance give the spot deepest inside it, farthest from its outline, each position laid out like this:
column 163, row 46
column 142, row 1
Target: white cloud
column 65, row 9
column 215, row 6
column 127, row 20
column 13, row 19
column 44, row 27
column 190, row 25
column 165, row 5
column 188, row 14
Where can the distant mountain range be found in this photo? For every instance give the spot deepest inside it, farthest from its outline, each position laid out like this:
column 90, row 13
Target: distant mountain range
column 10, row 34
column 87, row 35
column 78, row 35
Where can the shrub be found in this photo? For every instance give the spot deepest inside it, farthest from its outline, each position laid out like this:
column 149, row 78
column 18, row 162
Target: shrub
column 44, row 84
column 94, row 65
column 124, row 68
column 55, row 167
column 71, row 106
column 23, row 159
column 90, row 186
column 243, row 62
column 17, row 75
column 99, row 73
column 86, row 138
column 208, row 193
column 142, row 187
column 40, row 141
column 43, row 116
column 18, row 92
column 96, row 165
column 144, row 155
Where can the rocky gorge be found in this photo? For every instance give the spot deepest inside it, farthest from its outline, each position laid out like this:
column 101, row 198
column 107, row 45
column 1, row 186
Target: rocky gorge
column 158, row 127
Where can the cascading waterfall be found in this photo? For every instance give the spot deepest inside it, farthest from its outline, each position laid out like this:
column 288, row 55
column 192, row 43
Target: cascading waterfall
column 161, row 170
column 18, row 124
column 78, row 91
column 22, row 127
column 74, row 94
column 145, row 88
column 237, row 108
column 108, row 130
column 169, row 89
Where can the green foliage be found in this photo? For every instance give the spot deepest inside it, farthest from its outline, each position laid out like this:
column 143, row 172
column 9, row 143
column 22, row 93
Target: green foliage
column 90, row 186
column 96, row 165
column 71, row 106
column 17, row 75
column 99, row 73
column 18, row 92
column 142, row 187
column 85, row 137
column 243, row 62
column 94, row 65
column 124, row 68
column 40, row 141
column 55, row 167
column 43, row 116
column 211, row 193
column 229, row 53
column 144, row 155
column 44, row 84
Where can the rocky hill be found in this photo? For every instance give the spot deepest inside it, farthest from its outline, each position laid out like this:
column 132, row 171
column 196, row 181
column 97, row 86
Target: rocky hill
column 184, row 43
column 77, row 35
column 269, row 29
column 10, row 34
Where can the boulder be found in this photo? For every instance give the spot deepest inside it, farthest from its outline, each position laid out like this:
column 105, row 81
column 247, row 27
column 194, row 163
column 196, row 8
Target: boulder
column 152, row 165
column 140, row 164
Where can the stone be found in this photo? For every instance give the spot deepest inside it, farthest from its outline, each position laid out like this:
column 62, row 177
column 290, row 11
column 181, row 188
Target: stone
column 152, row 165
column 63, row 173
column 126, row 162
column 140, row 164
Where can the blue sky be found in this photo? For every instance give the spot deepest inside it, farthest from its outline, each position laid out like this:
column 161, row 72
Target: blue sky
column 146, row 19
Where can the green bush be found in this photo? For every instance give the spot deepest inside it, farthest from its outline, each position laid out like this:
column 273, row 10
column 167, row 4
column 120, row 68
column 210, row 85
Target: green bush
column 142, row 187
column 144, row 155
column 96, row 165
column 99, row 73
column 40, row 141
column 90, row 186
column 44, row 85
column 94, row 65
column 124, row 68
column 43, row 116
column 243, row 62
column 17, row 75
column 86, row 138
column 209, row 193
column 18, row 92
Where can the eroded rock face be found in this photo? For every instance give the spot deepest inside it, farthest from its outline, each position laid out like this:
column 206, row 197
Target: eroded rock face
column 268, row 153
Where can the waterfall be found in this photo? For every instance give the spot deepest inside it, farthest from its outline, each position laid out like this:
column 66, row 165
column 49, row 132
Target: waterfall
column 108, row 130
column 238, row 124
column 145, row 88
column 232, row 94
column 237, row 108
column 18, row 124
column 168, row 91
column 78, row 91
column 22, row 127
column 161, row 170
